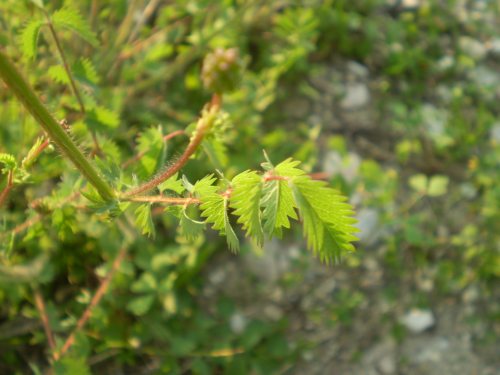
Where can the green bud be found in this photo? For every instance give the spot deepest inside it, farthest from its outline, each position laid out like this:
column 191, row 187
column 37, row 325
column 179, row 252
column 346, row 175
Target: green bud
column 221, row 70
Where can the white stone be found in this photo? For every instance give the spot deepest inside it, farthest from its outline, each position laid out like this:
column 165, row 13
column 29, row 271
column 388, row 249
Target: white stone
column 417, row 320
column 273, row 312
column 358, row 70
column 238, row 323
column 368, row 225
column 356, row 96
column 387, row 365
column 473, row 47
column 495, row 47
column 486, row 77
column 434, row 120
column 409, row 4
column 217, row 276
column 325, row 289
column 446, row 62
column 434, row 351
column 495, row 132
column 347, row 167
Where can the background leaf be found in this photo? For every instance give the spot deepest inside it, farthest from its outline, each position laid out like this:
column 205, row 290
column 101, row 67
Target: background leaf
column 71, row 19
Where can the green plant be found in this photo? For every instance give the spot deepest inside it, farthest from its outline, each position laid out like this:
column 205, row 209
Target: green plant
column 100, row 188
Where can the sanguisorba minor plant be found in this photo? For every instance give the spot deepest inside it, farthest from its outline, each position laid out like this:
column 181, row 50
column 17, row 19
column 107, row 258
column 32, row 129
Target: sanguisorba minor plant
column 262, row 202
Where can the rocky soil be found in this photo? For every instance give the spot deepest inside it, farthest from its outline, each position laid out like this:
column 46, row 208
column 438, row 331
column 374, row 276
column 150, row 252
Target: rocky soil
column 361, row 317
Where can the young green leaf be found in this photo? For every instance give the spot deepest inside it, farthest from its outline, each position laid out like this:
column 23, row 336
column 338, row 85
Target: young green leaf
column 58, row 74
column 245, row 199
column 214, row 208
column 216, row 152
column 71, row 19
column 85, row 71
column 9, row 161
column 141, row 305
column 288, row 168
column 29, row 38
column 188, row 227
column 279, row 206
column 144, row 219
column 150, row 145
column 71, row 365
column 172, row 184
column 102, row 116
column 277, row 198
column 30, row 158
column 327, row 219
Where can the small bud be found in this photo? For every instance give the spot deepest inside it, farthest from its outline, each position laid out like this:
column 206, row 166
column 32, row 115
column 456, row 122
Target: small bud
column 221, row 70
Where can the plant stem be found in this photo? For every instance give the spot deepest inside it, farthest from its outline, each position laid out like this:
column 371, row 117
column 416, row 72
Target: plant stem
column 69, row 74
column 65, row 63
column 7, row 188
column 141, row 154
column 204, row 124
column 100, row 292
column 162, row 199
column 40, row 306
column 32, row 103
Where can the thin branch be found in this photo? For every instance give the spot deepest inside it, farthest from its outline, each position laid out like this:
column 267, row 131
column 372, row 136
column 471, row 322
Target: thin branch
column 140, row 45
column 204, row 124
column 65, row 63
column 35, row 219
column 7, row 188
column 72, row 82
column 30, row 158
column 168, row 200
column 42, row 311
column 40, row 148
column 28, row 223
column 146, row 14
column 320, row 175
column 100, row 292
column 141, row 154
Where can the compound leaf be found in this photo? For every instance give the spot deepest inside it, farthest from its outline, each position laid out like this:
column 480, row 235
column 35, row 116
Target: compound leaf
column 327, row 219
column 245, row 199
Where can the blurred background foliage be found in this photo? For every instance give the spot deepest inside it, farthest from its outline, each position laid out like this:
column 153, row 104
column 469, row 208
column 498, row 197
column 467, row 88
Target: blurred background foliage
column 394, row 102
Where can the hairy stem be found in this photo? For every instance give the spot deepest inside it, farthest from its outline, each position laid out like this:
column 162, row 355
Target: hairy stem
column 204, row 124
column 141, row 154
column 32, row 103
column 168, row 200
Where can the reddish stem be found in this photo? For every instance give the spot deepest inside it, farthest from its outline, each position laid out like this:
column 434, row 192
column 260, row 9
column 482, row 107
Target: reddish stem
column 162, row 199
column 271, row 177
column 40, row 306
column 141, row 154
column 320, row 176
column 203, row 125
column 7, row 188
column 42, row 147
column 100, row 292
